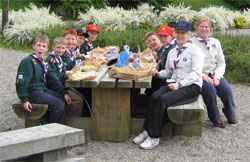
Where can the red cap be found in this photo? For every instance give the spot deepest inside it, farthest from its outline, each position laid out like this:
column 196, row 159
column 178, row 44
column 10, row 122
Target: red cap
column 165, row 30
column 93, row 28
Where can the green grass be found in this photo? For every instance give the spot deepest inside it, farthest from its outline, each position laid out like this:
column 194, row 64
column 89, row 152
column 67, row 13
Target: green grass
column 20, row 4
column 198, row 4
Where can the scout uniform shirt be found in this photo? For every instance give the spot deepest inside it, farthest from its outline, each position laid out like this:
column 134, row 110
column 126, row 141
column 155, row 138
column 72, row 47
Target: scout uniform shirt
column 57, row 66
column 86, row 47
column 163, row 53
column 68, row 59
column 214, row 58
column 30, row 77
column 189, row 68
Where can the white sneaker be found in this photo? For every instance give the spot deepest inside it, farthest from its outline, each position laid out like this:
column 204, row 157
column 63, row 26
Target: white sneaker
column 141, row 137
column 149, row 143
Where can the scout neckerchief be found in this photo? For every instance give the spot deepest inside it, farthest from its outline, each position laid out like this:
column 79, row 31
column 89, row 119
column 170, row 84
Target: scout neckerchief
column 59, row 62
column 180, row 50
column 70, row 54
column 45, row 67
column 169, row 45
column 205, row 41
column 90, row 45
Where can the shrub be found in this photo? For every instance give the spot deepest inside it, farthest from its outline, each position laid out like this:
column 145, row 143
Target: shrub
column 116, row 18
column 236, row 50
column 178, row 13
column 24, row 25
column 75, row 6
column 240, row 22
column 239, row 3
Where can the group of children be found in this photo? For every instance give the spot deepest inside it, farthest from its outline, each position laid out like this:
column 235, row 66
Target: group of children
column 186, row 67
column 42, row 81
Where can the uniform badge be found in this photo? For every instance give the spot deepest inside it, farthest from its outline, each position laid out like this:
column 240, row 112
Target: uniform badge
column 184, row 59
column 51, row 60
column 34, row 61
column 213, row 45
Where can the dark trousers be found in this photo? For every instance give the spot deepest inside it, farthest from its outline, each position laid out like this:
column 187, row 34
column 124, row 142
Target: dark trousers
column 160, row 101
column 224, row 91
column 55, row 102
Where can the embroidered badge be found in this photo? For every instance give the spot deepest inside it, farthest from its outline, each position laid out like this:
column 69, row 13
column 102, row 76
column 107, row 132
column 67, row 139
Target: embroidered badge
column 213, row 45
column 51, row 60
column 184, row 59
column 34, row 61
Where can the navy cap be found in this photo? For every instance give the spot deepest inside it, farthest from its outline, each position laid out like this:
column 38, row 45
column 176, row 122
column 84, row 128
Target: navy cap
column 183, row 25
column 82, row 32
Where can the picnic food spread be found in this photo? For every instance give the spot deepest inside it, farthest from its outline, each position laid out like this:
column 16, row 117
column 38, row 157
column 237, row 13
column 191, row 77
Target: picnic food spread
column 132, row 66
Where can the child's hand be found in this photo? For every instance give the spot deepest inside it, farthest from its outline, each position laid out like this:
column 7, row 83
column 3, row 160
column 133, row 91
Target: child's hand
column 87, row 57
column 174, row 86
column 68, row 99
column 27, row 106
column 154, row 72
column 75, row 68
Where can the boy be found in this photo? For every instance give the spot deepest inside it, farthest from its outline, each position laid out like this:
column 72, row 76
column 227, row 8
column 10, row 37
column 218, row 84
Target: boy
column 92, row 31
column 81, row 37
column 69, row 57
column 55, row 61
column 32, row 77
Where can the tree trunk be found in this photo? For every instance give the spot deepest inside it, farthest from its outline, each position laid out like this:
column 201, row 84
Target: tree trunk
column 5, row 17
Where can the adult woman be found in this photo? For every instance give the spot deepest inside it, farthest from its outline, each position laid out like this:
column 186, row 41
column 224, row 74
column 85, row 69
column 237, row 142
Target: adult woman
column 184, row 68
column 212, row 75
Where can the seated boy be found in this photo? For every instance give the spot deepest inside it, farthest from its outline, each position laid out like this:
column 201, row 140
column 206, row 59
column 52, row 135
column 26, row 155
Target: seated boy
column 32, row 77
column 81, row 37
column 55, row 61
column 92, row 31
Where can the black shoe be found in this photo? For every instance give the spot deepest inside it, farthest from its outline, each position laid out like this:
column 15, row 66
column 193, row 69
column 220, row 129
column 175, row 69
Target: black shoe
column 220, row 124
column 234, row 121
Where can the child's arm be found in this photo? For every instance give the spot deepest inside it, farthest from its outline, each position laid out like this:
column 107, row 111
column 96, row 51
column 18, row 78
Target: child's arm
column 24, row 76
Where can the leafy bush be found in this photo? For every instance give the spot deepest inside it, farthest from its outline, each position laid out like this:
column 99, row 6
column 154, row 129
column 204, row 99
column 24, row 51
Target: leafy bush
column 131, row 37
column 239, row 3
column 236, row 51
column 240, row 22
column 116, row 18
column 75, row 6
column 177, row 13
column 24, row 25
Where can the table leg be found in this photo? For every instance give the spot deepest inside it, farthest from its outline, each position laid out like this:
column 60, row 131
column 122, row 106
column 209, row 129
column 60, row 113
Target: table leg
column 111, row 114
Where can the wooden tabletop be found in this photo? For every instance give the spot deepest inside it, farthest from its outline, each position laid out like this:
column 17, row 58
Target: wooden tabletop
column 104, row 81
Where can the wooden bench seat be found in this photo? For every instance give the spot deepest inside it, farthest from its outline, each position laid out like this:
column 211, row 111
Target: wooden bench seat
column 32, row 118
column 50, row 141
column 187, row 118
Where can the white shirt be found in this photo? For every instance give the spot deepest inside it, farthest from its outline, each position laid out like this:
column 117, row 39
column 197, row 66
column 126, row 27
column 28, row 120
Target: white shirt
column 189, row 69
column 214, row 58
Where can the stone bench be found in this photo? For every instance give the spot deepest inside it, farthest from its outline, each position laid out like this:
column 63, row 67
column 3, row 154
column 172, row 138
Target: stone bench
column 32, row 118
column 187, row 118
column 49, row 141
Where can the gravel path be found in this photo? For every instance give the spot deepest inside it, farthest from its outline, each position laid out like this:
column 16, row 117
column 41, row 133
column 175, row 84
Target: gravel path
column 229, row 144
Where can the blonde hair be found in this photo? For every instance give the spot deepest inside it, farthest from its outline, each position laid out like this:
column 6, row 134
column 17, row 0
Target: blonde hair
column 70, row 31
column 148, row 34
column 42, row 38
column 201, row 19
column 59, row 40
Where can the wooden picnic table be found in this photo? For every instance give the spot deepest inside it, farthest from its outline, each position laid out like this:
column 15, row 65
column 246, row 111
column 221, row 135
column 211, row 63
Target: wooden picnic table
column 110, row 104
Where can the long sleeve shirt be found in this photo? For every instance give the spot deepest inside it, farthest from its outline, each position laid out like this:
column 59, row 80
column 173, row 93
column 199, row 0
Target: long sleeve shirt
column 214, row 58
column 189, row 69
column 30, row 77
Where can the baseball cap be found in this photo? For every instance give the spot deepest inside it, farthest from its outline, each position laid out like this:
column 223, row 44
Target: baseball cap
column 93, row 28
column 82, row 32
column 165, row 30
column 183, row 25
